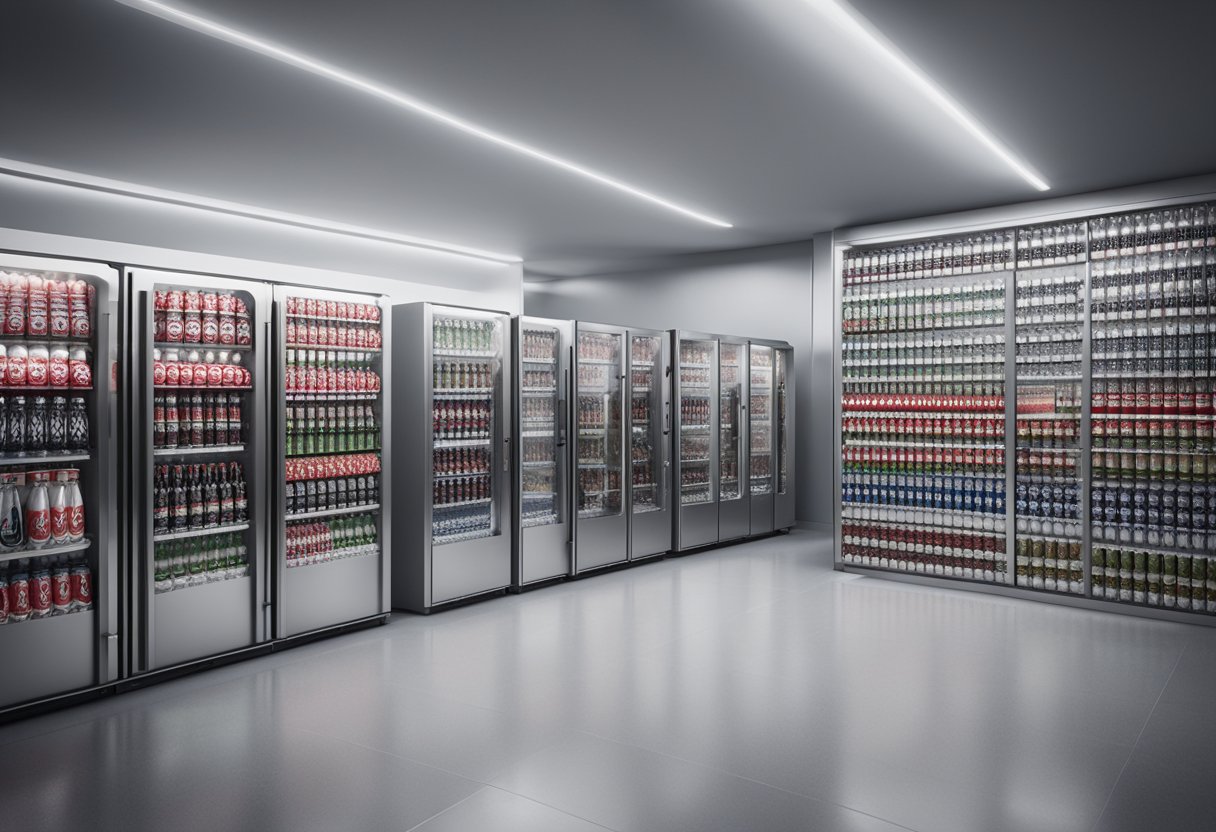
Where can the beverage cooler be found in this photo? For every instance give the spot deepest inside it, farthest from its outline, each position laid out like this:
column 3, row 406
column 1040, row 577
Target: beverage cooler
column 199, row 508
column 649, row 482
column 601, row 526
column 545, row 532
column 331, row 540
column 698, row 469
column 770, row 411
column 452, row 455
column 59, row 614
column 734, row 428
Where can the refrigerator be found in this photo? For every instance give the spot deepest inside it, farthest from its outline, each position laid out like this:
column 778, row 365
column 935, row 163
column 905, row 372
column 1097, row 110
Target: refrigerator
column 451, row 464
column 544, row 533
column 601, row 522
column 648, row 486
column 199, row 505
column 330, row 411
column 734, row 428
column 59, row 578
column 771, row 505
column 697, row 469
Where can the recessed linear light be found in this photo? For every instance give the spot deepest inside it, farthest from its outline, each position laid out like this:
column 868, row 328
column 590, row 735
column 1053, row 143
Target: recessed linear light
column 400, row 99
column 865, row 32
column 84, row 181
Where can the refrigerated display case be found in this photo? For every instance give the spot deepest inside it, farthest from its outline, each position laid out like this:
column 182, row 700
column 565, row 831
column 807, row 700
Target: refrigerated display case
column 1101, row 326
column 697, row 467
column 199, row 511
column 452, row 454
column 331, row 536
column 544, row 535
column 784, row 508
column 601, row 530
column 768, row 439
column 648, row 483
column 734, row 493
column 59, row 615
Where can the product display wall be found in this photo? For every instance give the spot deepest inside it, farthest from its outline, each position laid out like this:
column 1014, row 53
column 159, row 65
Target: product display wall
column 1032, row 407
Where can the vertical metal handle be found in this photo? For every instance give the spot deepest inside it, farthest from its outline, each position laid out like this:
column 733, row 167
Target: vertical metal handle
column 563, row 403
column 506, row 454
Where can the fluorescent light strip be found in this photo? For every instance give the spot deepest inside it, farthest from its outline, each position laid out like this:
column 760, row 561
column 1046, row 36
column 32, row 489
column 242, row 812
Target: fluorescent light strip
column 861, row 29
column 408, row 102
column 41, row 173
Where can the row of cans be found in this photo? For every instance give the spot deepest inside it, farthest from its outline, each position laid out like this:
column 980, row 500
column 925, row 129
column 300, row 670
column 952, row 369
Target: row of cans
column 946, row 493
column 934, row 258
column 43, row 588
column 461, row 419
column 38, row 307
column 43, row 425
column 923, row 551
column 927, row 459
column 365, row 336
column 1181, row 506
column 457, row 490
column 1165, row 396
column 328, row 467
column 924, row 428
column 197, row 421
column 462, row 461
column 40, row 365
column 888, row 398
column 303, row 496
column 333, row 310
column 1058, row 501
column 1173, row 433
column 1154, row 465
column 1169, row 581
column 1049, row 564
column 202, row 328
column 330, row 379
column 216, row 370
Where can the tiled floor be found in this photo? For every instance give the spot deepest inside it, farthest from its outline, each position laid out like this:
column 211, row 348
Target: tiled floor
column 748, row 688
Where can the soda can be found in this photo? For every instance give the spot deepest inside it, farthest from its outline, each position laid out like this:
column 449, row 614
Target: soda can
column 82, row 587
column 192, row 327
column 40, row 594
column 3, row 598
column 227, row 330
column 19, row 597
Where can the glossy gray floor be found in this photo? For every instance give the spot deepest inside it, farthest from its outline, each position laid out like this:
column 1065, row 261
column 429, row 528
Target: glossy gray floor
column 748, row 688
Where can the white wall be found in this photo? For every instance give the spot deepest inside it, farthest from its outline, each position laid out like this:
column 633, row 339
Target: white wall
column 43, row 218
column 760, row 293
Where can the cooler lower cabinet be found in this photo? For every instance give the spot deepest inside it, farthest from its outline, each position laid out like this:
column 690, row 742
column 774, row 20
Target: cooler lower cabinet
column 784, row 509
column 198, row 513
column 331, row 535
column 761, row 445
column 734, row 503
column 451, row 471
column 696, row 475
column 649, row 478
column 544, row 536
column 58, row 569
column 601, row 535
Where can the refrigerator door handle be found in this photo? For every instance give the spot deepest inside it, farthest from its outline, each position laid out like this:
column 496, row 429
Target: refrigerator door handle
column 667, row 418
column 506, row 454
column 562, row 404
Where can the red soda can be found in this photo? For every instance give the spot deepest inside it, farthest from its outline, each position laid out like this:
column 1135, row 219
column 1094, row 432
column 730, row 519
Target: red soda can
column 210, row 302
column 215, row 375
column 192, row 327
column 343, row 312
column 310, row 307
column 192, row 301
column 228, row 375
column 226, row 303
column 210, row 328
column 19, row 597
column 311, row 333
column 175, row 326
column 3, row 598
column 291, row 332
column 244, row 331
column 227, row 328
column 173, row 373
column 82, row 587
column 40, row 594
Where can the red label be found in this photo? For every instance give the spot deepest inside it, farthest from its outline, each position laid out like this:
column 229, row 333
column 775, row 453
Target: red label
column 59, row 523
column 82, row 587
column 38, row 526
column 61, row 591
column 15, row 371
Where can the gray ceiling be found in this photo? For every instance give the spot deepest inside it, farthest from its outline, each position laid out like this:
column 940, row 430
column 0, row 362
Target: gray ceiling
column 751, row 110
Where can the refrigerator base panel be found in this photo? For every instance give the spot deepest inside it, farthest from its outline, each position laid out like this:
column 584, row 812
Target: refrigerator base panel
column 698, row 525
column 600, row 542
column 471, row 567
column 762, row 513
column 330, row 594
column 202, row 621
column 544, row 553
column 734, row 519
column 48, row 656
column 651, row 533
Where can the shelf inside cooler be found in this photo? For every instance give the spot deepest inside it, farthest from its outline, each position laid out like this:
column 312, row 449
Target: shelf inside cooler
column 538, row 391
column 484, row 501
column 646, row 509
column 697, row 366
column 192, row 451
column 593, row 431
column 331, row 319
column 182, row 345
column 548, row 463
column 208, row 532
column 704, row 461
column 536, row 434
column 546, row 519
column 463, row 392
column 330, row 396
column 874, row 443
column 30, row 459
column 584, row 464
column 687, row 386
column 331, row 348
column 374, row 450
column 608, row 362
column 47, row 551
column 694, row 428
column 333, row 512
column 449, row 353
column 198, row 387
column 476, row 534
column 549, row 360
column 462, row 443
column 1154, row 550
column 1136, row 417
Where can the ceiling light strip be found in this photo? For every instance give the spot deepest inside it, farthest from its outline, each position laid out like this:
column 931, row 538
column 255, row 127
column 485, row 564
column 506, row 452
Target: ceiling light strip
column 41, row 173
column 864, row 31
column 408, row 102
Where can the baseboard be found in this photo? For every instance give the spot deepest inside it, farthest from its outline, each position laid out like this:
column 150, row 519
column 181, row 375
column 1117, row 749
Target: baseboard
column 813, row 526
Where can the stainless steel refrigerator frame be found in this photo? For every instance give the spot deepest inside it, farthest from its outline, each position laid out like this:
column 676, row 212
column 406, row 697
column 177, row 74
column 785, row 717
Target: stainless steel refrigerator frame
column 62, row 654
column 602, row 540
column 1070, row 209
column 324, row 595
column 734, row 514
column 696, row 525
column 166, row 629
column 785, row 507
column 425, row 575
column 650, row 531
column 544, row 552
column 763, row 506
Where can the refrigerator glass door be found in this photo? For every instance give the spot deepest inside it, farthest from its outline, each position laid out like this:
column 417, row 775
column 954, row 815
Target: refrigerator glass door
column 646, row 420
column 731, row 390
column 696, row 422
column 331, row 415
column 540, row 426
column 780, row 368
column 58, row 571
column 467, row 373
column 599, row 454
column 760, row 413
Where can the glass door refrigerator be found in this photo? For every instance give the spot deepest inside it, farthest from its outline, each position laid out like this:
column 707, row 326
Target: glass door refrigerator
column 734, row 495
column 648, row 484
column 768, row 456
column 196, row 415
column 331, row 406
column 601, row 534
column 59, row 615
column 784, row 509
column 696, row 450
column 451, row 470
column 545, row 533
